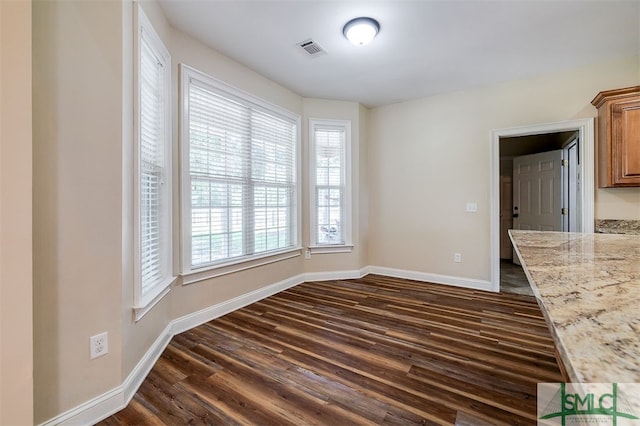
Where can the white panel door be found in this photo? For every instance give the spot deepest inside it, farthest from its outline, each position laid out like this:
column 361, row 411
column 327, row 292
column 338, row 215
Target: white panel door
column 537, row 191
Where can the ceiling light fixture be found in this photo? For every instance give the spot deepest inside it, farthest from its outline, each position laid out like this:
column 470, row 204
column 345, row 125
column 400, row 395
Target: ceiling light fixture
column 361, row 31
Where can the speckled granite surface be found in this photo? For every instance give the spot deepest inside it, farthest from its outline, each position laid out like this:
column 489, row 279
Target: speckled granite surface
column 588, row 288
column 614, row 226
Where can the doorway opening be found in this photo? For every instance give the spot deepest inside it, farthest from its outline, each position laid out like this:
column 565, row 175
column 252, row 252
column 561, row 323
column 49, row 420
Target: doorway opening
column 534, row 194
column 558, row 159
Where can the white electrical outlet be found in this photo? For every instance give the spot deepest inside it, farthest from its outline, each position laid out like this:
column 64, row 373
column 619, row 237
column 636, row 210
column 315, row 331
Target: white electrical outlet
column 457, row 257
column 472, row 207
column 99, row 345
column 307, row 254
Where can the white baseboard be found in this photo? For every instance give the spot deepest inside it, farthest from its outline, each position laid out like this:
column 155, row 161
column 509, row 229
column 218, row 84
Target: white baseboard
column 336, row 275
column 93, row 410
column 144, row 366
column 116, row 399
column 432, row 278
column 195, row 319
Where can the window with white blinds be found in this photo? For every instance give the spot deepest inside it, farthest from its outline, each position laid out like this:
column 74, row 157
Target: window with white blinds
column 153, row 167
column 239, row 175
column 331, row 193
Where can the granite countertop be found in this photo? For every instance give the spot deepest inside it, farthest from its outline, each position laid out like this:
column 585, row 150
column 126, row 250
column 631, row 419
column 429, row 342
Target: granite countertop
column 588, row 288
column 616, row 226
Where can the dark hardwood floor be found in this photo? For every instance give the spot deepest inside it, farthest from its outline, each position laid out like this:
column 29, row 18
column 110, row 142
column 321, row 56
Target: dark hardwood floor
column 375, row 350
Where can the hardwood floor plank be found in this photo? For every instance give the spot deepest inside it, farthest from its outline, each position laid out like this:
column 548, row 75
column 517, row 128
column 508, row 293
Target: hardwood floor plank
column 172, row 405
column 187, row 362
column 135, row 414
column 227, row 404
column 376, row 390
column 334, row 322
column 375, row 350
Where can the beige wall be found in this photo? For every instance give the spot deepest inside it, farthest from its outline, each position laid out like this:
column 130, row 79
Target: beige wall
column 430, row 156
column 77, row 131
column 16, row 336
column 618, row 203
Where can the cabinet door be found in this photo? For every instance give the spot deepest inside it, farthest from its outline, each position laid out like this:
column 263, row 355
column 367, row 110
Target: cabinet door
column 625, row 147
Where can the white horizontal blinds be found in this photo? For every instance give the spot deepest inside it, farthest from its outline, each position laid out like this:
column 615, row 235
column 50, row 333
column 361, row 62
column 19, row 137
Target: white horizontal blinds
column 218, row 134
column 330, row 184
column 242, row 168
column 151, row 167
column 273, row 179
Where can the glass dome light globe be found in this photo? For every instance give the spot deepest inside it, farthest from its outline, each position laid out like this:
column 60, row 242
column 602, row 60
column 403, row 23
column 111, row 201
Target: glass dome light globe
column 361, row 31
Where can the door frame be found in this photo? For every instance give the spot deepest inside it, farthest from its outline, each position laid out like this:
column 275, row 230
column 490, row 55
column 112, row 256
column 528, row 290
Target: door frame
column 585, row 127
column 568, row 174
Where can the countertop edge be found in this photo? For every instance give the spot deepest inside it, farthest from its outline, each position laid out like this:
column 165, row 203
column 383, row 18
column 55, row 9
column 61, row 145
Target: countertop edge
column 573, row 376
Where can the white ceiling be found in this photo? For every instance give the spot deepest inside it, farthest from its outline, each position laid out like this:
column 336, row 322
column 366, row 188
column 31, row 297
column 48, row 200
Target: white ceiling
column 423, row 48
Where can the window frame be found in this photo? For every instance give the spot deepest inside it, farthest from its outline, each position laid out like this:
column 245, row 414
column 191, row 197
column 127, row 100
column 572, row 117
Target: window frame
column 145, row 300
column 314, row 245
column 229, row 265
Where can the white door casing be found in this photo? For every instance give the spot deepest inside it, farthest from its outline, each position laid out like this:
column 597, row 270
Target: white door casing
column 571, row 187
column 585, row 129
column 506, row 217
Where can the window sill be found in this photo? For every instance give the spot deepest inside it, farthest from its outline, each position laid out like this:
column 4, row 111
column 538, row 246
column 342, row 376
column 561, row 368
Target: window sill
column 162, row 290
column 229, row 268
column 342, row 248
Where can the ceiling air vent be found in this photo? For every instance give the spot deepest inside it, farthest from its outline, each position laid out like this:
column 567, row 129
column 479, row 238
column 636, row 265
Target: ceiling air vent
column 312, row 48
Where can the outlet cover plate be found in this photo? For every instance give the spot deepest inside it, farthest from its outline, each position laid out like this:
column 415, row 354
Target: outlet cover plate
column 99, row 345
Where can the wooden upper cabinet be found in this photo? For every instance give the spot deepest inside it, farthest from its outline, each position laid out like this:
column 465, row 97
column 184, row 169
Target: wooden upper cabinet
column 618, row 137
